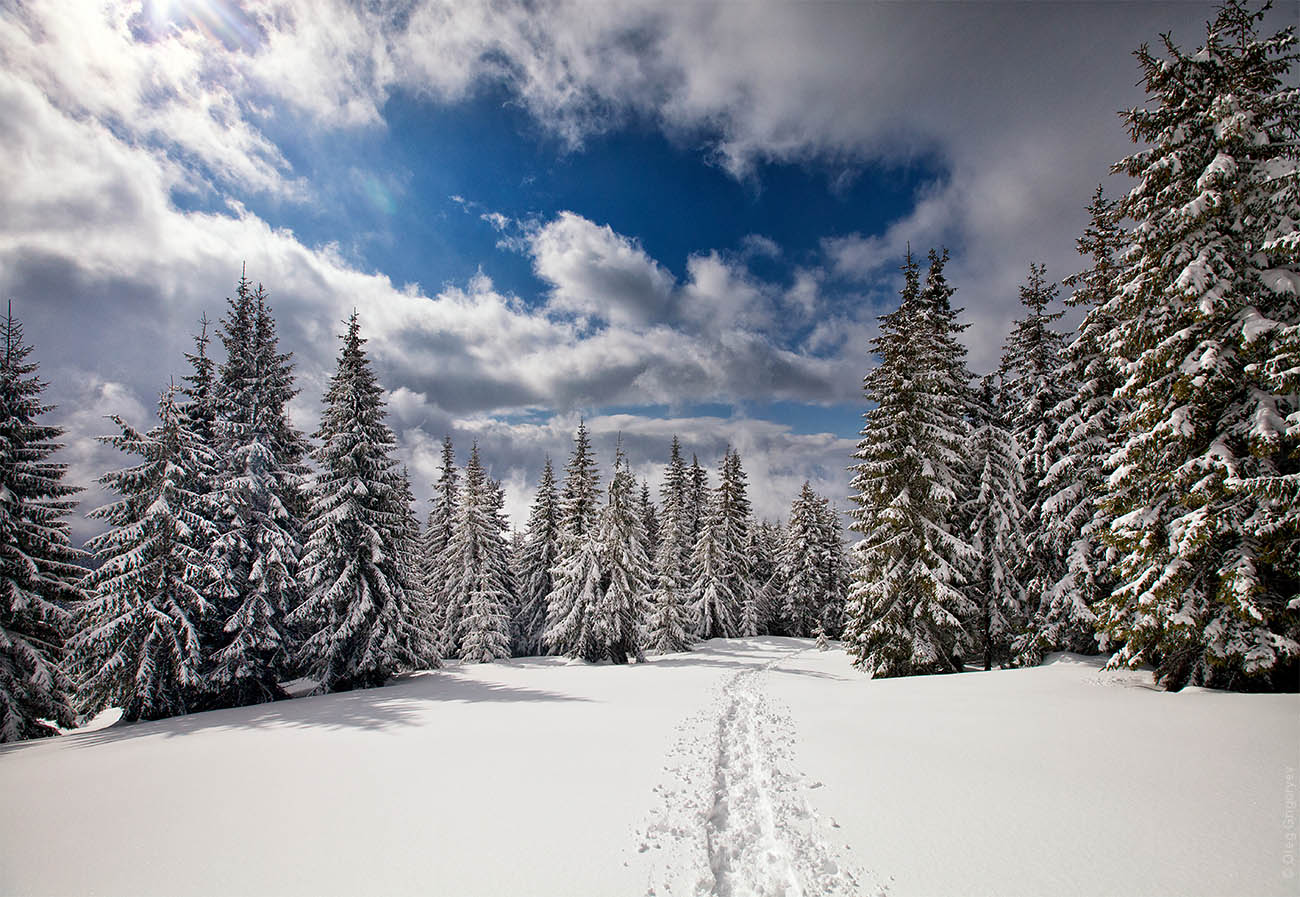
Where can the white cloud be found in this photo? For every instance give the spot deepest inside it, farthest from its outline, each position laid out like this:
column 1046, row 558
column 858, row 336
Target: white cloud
column 596, row 272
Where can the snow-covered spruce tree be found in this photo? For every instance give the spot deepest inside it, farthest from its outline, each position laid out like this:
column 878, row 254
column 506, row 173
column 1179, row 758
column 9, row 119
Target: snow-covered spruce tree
column 835, row 569
column 622, row 610
column 1030, row 387
column 437, row 536
column 732, row 509
column 801, row 569
column 477, row 569
column 200, row 390
column 139, row 637
column 357, row 612
column 671, row 626
column 419, row 635
column 714, row 605
column 39, row 568
column 254, row 562
column 996, row 511
column 766, row 540
column 1198, row 317
column 578, row 575
column 540, row 549
column 1069, row 523
column 649, row 520
column 698, row 499
column 905, row 613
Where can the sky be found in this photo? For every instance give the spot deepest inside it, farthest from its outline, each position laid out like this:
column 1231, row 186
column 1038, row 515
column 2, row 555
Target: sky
column 664, row 219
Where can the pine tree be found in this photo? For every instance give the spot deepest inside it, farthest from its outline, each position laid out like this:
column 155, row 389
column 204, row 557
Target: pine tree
column 905, row 613
column 649, row 520
column 732, row 509
column 478, row 575
column 622, row 609
column 800, row 566
column 537, row 557
column 39, row 568
column 358, row 615
column 1199, row 316
column 578, row 576
column 139, row 641
column 766, row 541
column 697, row 500
column 835, row 569
column 714, row 605
column 201, row 388
column 433, row 555
column 671, row 626
column 997, row 512
column 419, row 634
column 254, row 562
column 1070, row 523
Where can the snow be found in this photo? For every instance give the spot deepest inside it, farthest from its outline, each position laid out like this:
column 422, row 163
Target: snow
column 746, row 767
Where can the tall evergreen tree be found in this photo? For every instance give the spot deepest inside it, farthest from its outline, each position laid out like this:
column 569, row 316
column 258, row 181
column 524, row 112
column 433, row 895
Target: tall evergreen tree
column 578, row 576
column 540, row 550
column 801, row 571
column 433, row 555
column 714, row 605
column 1198, row 319
column 1031, row 388
column 360, row 620
column 139, row 642
column 834, row 567
column 671, row 624
column 649, row 520
column 766, row 541
column 254, row 562
column 697, row 500
column 39, row 568
column 622, row 609
column 997, row 513
column 905, row 613
column 478, row 574
column 201, row 388
column 1070, row 524
column 732, row 509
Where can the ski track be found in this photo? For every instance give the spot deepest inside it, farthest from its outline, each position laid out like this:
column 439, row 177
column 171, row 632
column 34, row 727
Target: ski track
column 734, row 818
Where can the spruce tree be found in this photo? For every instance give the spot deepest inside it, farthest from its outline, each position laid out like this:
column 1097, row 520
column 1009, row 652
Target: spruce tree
column 766, row 541
column 1070, row 523
column 139, row 643
column 714, row 605
column 997, row 513
column 801, row 568
column 671, row 627
column 39, row 568
column 732, row 509
column 622, row 609
column 477, row 569
column 1205, row 592
column 433, row 556
column 905, row 612
column 541, row 544
column 1030, row 389
column 835, row 569
column 254, row 562
column 358, row 616
column 697, row 500
column 649, row 520
column 578, row 576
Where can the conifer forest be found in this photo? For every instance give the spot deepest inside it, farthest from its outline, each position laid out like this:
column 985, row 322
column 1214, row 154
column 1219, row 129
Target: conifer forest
column 1117, row 498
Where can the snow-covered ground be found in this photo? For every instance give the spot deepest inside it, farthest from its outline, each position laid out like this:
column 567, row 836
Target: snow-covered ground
column 747, row 767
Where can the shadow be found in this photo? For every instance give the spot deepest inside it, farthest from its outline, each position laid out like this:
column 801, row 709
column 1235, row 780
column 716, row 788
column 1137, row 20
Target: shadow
column 405, row 701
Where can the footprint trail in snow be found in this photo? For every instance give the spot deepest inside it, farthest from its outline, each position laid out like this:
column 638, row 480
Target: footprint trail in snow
column 734, row 818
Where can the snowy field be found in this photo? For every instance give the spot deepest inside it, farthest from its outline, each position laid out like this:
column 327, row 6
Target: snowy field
column 747, row 767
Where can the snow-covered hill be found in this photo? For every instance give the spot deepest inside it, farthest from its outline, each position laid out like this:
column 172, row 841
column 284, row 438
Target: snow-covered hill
column 755, row 766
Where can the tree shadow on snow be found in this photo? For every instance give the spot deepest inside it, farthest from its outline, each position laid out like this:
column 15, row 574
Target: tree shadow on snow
column 406, row 701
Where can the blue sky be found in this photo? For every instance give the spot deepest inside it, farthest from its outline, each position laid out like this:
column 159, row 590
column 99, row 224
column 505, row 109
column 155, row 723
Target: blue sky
column 665, row 218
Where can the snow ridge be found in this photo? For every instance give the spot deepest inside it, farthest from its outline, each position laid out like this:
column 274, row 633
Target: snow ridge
column 737, row 822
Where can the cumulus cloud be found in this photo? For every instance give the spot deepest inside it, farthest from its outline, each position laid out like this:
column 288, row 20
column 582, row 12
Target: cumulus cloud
column 596, row 272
